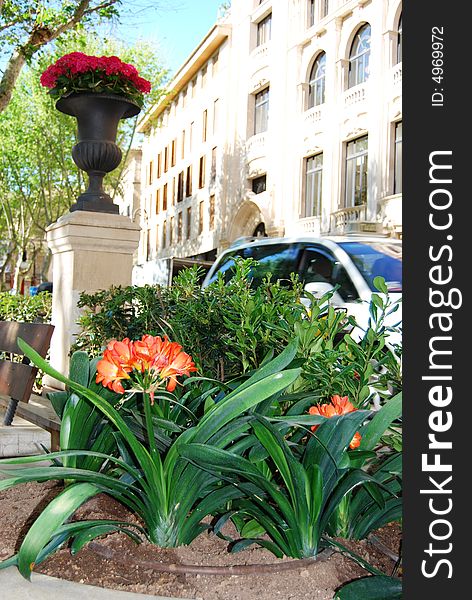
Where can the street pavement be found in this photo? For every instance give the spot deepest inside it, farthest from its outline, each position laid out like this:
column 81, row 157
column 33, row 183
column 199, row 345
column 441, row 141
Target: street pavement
column 42, row 587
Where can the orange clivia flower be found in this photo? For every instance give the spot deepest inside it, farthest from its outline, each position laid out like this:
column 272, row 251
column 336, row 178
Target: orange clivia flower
column 152, row 352
column 115, row 365
column 339, row 405
column 342, row 404
column 179, row 363
column 146, row 363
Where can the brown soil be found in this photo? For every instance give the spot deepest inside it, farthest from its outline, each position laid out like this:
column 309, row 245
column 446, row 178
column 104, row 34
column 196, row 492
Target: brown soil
column 20, row 505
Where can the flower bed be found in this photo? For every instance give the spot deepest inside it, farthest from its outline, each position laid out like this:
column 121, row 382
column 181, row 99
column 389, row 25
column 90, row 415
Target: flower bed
column 318, row 581
column 271, row 453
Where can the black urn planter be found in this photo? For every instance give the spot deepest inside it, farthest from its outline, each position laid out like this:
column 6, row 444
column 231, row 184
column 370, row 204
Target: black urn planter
column 96, row 152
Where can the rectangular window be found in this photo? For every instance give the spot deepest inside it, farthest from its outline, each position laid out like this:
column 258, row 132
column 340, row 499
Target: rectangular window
column 397, row 187
column 173, row 153
column 159, row 165
column 200, row 217
column 158, row 202
column 204, row 125
column 189, row 222
column 194, row 87
column 148, row 244
column 171, row 232
column 150, row 172
column 259, row 184
column 204, row 75
column 174, row 191
column 264, row 30
column 164, row 197
column 356, row 172
column 184, row 97
column 313, row 186
column 188, row 182
column 157, row 239
column 212, row 212
column 214, row 64
column 180, row 187
column 164, row 234
column 192, row 127
column 324, row 8
column 166, row 159
column 261, row 111
column 216, row 107
column 179, row 227
column 213, row 166
column 182, row 154
column 311, row 13
column 201, row 172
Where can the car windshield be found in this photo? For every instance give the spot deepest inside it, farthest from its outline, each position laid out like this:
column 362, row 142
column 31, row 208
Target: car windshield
column 374, row 259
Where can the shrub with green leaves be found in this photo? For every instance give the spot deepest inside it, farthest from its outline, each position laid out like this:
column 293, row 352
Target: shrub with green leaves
column 226, row 328
column 305, row 488
column 370, row 507
column 170, row 495
column 26, row 309
column 280, row 479
column 229, row 327
column 83, row 426
column 236, row 441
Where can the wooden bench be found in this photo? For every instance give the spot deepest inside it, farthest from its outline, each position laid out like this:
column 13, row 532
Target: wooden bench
column 17, row 378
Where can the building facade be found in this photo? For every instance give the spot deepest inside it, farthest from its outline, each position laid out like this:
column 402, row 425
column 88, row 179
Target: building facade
column 285, row 120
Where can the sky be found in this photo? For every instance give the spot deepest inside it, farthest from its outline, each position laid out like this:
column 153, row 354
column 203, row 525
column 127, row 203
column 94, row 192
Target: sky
column 177, row 26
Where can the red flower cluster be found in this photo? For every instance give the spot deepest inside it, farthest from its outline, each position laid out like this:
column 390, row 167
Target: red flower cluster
column 76, row 63
column 147, row 363
column 340, row 405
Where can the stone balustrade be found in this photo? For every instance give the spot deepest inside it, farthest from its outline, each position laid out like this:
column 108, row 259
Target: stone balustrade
column 346, row 217
column 256, row 146
column 355, row 95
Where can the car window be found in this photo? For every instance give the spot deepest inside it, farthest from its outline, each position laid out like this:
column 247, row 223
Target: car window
column 225, row 266
column 375, row 259
column 323, row 267
column 278, row 259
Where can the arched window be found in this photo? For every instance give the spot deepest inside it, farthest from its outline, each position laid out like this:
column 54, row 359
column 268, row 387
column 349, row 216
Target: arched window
column 399, row 41
column 359, row 57
column 316, row 90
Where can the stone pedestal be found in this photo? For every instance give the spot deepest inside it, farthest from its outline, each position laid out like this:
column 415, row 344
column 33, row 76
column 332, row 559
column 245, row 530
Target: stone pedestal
column 91, row 251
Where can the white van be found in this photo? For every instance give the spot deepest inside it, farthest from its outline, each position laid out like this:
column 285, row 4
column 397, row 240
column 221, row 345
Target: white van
column 350, row 262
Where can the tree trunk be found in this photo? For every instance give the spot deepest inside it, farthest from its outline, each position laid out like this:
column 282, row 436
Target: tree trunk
column 18, row 277
column 3, row 268
column 45, row 266
column 7, row 84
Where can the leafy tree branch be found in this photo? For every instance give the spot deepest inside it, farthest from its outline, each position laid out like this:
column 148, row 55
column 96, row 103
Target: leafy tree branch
column 27, row 31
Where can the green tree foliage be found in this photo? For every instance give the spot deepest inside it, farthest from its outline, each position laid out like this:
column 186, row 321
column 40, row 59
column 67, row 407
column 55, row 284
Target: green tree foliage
column 27, row 26
column 38, row 178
